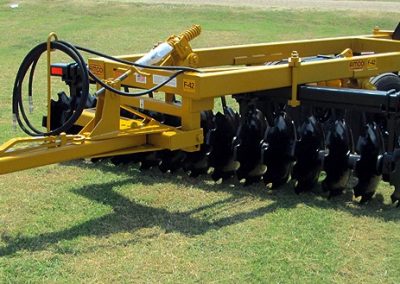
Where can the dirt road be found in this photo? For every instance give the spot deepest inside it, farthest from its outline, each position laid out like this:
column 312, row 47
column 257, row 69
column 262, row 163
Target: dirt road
column 379, row 6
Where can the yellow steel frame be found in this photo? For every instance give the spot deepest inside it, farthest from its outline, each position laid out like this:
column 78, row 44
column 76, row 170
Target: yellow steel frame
column 224, row 71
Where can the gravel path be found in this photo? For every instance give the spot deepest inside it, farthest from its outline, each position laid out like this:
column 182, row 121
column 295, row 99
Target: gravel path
column 378, row 6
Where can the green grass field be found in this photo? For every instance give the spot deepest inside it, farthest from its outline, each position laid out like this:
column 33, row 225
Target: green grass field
column 80, row 222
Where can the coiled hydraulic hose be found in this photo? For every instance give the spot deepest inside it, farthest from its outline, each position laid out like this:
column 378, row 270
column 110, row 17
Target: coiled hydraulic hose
column 72, row 51
column 29, row 62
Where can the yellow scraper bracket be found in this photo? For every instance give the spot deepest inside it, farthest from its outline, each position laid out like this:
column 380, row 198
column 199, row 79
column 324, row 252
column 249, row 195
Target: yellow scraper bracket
column 294, row 63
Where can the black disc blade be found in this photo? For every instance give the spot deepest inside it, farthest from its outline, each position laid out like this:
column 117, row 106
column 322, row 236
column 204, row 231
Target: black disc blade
column 278, row 150
column 308, row 166
column 149, row 160
column 336, row 164
column 126, row 159
column 396, row 196
column 219, row 140
column 394, row 177
column 369, row 147
column 170, row 160
column 247, row 146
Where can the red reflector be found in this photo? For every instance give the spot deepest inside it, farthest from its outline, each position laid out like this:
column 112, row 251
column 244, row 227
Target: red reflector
column 56, row 71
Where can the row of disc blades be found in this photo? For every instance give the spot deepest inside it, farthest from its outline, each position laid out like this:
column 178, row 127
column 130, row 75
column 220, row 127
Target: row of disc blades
column 252, row 150
column 255, row 149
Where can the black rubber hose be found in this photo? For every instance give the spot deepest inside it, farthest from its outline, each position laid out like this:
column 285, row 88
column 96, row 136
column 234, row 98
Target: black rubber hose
column 179, row 69
column 31, row 75
column 30, row 62
column 116, row 59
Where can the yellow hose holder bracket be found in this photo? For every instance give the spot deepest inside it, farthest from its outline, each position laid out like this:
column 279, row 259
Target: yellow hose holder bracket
column 52, row 36
column 294, row 62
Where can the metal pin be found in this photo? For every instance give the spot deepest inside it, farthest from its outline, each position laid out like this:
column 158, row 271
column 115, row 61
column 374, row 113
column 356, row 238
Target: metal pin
column 99, row 92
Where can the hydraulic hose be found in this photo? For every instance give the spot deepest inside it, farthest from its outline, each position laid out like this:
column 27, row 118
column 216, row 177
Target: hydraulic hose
column 179, row 70
column 29, row 62
column 72, row 51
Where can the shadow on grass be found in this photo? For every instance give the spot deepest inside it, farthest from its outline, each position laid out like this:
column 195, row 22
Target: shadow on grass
column 375, row 208
column 128, row 216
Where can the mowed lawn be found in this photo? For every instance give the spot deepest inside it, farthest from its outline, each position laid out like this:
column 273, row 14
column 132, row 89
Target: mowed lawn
column 84, row 222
